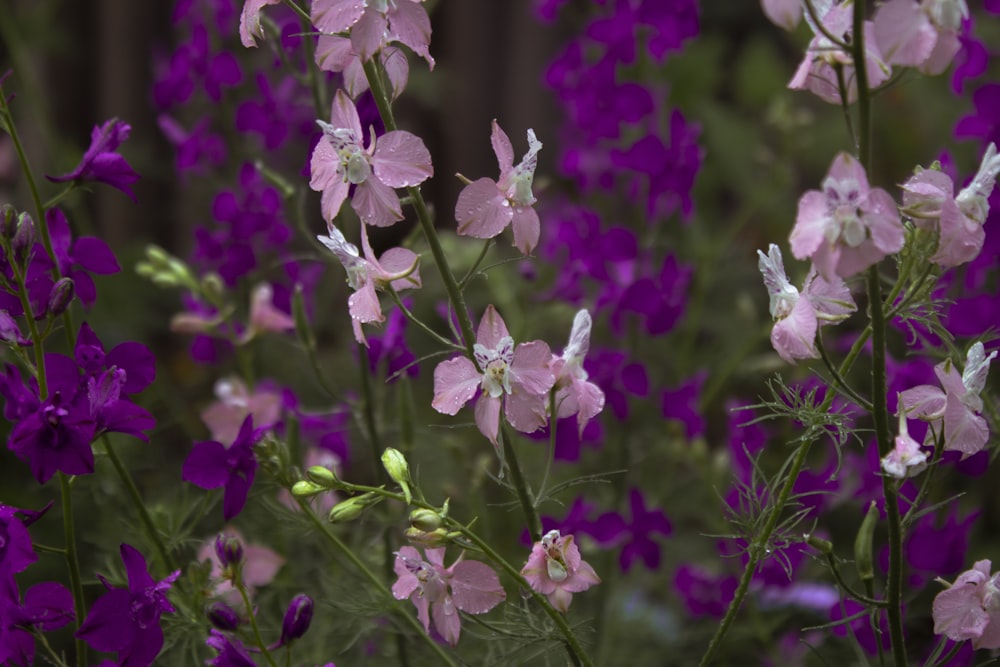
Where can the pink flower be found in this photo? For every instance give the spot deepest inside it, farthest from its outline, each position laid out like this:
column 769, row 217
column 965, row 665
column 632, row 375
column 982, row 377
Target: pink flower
column 796, row 319
column 225, row 416
column 376, row 23
column 556, row 570
column 970, row 608
column 337, row 54
column 906, row 459
column 264, row 316
column 468, row 585
column 260, row 565
column 518, row 378
column 574, row 395
column 250, row 26
column 848, row 226
column 817, row 72
column 485, row 207
column 920, row 34
column 397, row 267
column 929, row 199
column 398, row 160
column 785, row 13
column 958, row 405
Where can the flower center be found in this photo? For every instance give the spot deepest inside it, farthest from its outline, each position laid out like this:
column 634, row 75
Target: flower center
column 843, row 203
column 353, row 160
column 495, row 364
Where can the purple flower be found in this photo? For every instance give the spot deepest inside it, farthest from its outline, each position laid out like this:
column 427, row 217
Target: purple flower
column 681, row 404
column 297, row 619
column 126, row 621
column 612, row 528
column 232, row 653
column 101, row 162
column 703, row 593
column 16, row 552
column 46, row 606
column 199, row 150
column 211, row 465
column 390, row 348
column 984, row 124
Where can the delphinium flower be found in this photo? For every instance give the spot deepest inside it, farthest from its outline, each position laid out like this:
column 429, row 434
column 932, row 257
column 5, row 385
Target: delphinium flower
column 984, row 123
column 613, row 529
column 906, row 459
column 101, row 162
column 373, row 25
column 126, row 620
column 922, row 35
column 485, row 207
column 212, row 464
column 957, row 404
column 199, row 149
column 619, row 378
column 702, row 592
column 574, row 394
column 440, row 592
column 848, row 226
column 337, row 54
column 397, row 267
column 258, row 566
column 231, row 651
column 787, row 13
column 389, row 348
column 682, row 404
column 937, row 546
column 195, row 63
column 798, row 316
column 970, row 608
column 225, row 415
column 16, row 551
column 518, row 378
column 46, row 606
column 250, row 25
column 76, row 258
column 556, row 570
column 397, row 159
column 651, row 289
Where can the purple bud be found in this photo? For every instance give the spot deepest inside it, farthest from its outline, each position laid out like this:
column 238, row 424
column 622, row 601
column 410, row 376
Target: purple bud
column 24, row 236
column 229, row 550
column 8, row 221
column 222, row 616
column 297, row 618
column 60, row 296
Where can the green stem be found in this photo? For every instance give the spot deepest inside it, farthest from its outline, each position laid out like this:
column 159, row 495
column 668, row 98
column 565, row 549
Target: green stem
column 520, row 486
column 253, row 622
column 864, row 599
column 73, row 562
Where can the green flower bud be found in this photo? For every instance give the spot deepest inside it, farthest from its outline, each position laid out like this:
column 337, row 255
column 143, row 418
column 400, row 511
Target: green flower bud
column 322, row 476
column 351, row 509
column 819, row 544
column 395, row 464
column 425, row 520
column 863, row 545
column 424, row 538
column 305, row 488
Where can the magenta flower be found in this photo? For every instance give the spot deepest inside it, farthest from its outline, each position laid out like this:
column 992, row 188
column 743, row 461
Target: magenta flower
column 846, row 227
column 519, row 378
column 440, row 592
column 211, row 465
column 958, row 405
column 397, row 160
column 574, row 394
column 556, row 570
column 397, row 267
column 905, row 459
column 970, row 608
column 922, row 35
column 797, row 316
column 46, row 606
column 16, row 551
column 126, row 621
column 101, row 162
column 485, row 207
column 375, row 24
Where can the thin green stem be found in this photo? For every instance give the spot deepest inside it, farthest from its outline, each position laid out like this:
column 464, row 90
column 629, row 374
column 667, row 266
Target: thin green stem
column 838, row 379
column 253, row 622
column 418, row 322
column 73, row 563
column 520, row 485
column 864, row 599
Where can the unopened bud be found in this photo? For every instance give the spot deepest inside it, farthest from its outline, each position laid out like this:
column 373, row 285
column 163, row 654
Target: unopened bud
column 395, row 464
column 322, row 476
column 229, row 550
column 427, row 538
column 61, row 295
column 8, row 221
column 222, row 616
column 24, row 235
column 304, row 488
column 819, row 544
column 213, row 287
column 424, row 519
column 351, row 509
column 863, row 559
column 297, row 619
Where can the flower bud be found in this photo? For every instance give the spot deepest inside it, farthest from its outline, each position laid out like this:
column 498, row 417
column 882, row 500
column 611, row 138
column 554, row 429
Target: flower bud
column 8, row 221
column 229, row 550
column 395, row 464
column 213, row 287
column 24, row 235
column 304, row 488
column 425, row 520
column 432, row 539
column 351, row 509
column 819, row 544
column 222, row 616
column 322, row 476
column 61, row 295
column 298, row 616
column 863, row 544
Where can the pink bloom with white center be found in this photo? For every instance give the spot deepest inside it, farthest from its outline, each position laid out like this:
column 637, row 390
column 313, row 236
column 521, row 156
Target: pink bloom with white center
column 397, row 160
column 574, row 395
column 250, row 26
column 906, row 459
column 485, row 207
column 797, row 316
column 397, row 267
column 260, row 565
column 970, row 608
column 848, row 226
column 817, row 72
column 556, row 570
column 518, row 378
column 373, row 24
column 920, row 34
column 440, row 592
column 226, row 415
column 958, row 405
column 337, row 54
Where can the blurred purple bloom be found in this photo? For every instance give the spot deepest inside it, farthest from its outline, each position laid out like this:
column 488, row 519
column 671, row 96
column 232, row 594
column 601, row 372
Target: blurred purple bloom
column 657, row 298
column 232, row 653
column 274, row 113
column 936, row 546
column 199, row 150
column 971, row 59
column 570, row 441
column 101, row 162
column 681, row 404
column 390, row 347
column 126, row 621
column 76, row 259
column 46, row 606
column 618, row 378
column 16, row 551
column 703, row 593
column 612, row 529
column 211, row 465
column 191, row 64
column 984, row 124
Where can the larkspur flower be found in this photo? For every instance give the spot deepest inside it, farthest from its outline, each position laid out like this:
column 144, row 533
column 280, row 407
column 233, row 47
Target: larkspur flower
column 376, row 23
column 440, row 592
column 46, row 606
column 259, row 566
column 612, row 529
column 958, row 405
column 924, row 35
column 101, row 162
column 337, row 54
column 250, row 25
column 126, row 620
column 211, row 465
column 16, row 551
column 970, row 608
column 786, row 13
column 225, row 416
column 397, row 159
column 485, row 207
column 263, row 314
column 574, row 394
column 973, row 200
column 905, row 459
column 397, row 267
column 556, row 570
column 231, row 652
column 848, row 226
column 518, row 378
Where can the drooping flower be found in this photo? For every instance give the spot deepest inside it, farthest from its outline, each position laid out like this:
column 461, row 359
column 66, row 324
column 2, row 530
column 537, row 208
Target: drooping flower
column 485, row 207
column 519, row 378
column 397, row 267
column 798, row 316
column 250, row 26
column 556, row 570
column 126, row 621
column 970, row 608
column 440, row 592
column 398, row 159
column 211, row 465
column 101, row 162
column 46, row 606
column 848, row 226
column 924, row 34
column 375, row 24
column 958, row 405
column 905, row 459
column 574, row 394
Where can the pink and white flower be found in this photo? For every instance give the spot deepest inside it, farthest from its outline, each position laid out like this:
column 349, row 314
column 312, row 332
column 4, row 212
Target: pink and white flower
column 958, row 405
column 848, row 226
column 906, row 459
column 440, row 592
column 574, row 394
column 518, row 378
column 970, row 608
column 397, row 160
column 374, row 24
column 920, row 34
column 250, row 26
column 556, row 570
column 337, row 54
column 797, row 316
column 397, row 267
column 225, row 416
column 787, row 13
column 485, row 207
